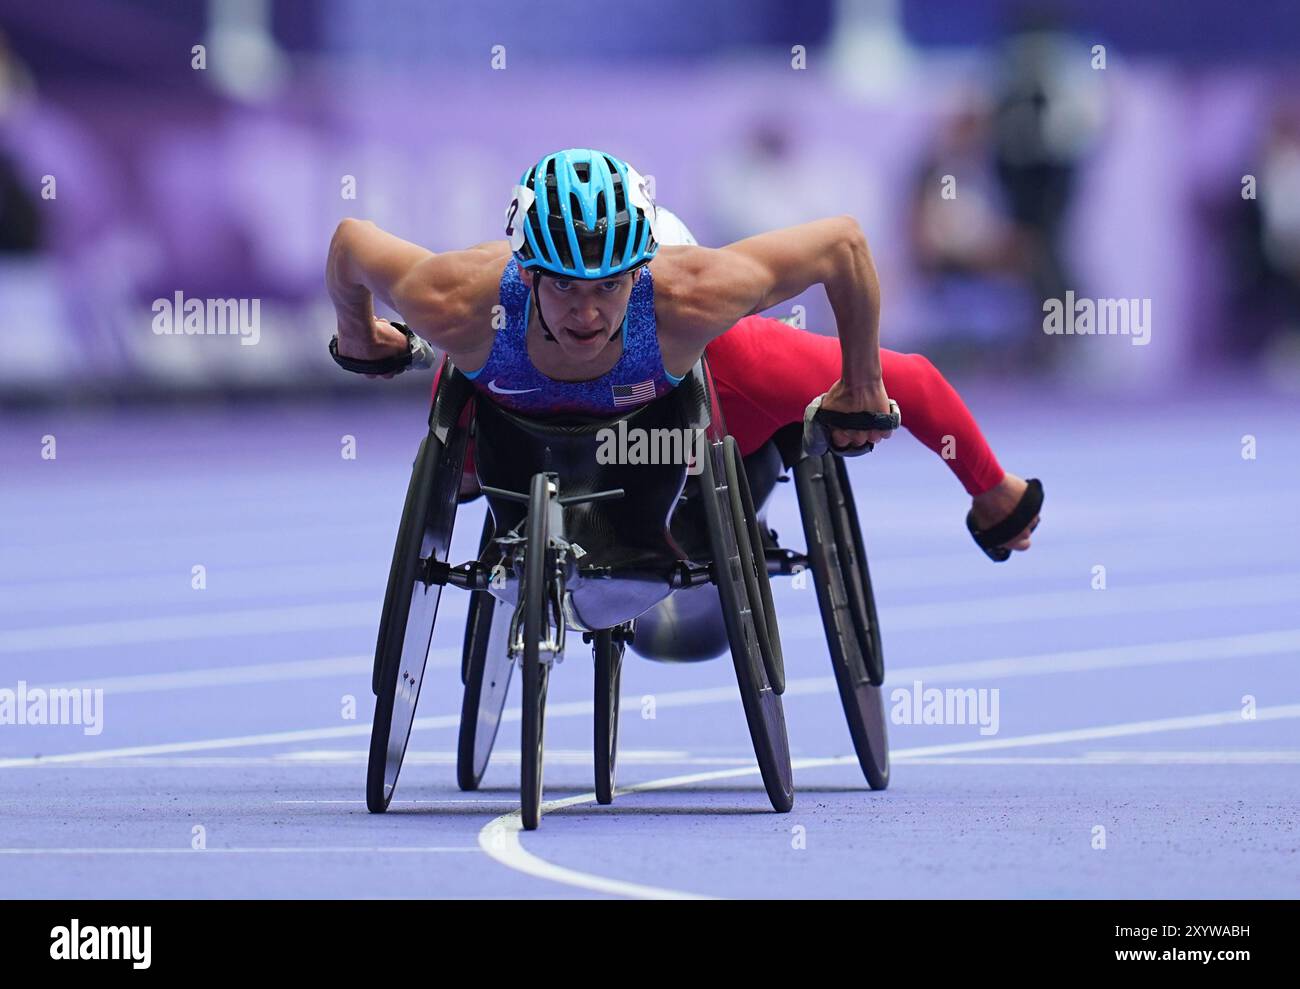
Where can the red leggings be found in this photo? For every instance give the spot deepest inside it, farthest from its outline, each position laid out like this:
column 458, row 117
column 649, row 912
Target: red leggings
column 767, row 372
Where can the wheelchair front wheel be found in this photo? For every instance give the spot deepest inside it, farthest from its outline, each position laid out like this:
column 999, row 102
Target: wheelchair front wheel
column 607, row 650
column 536, row 628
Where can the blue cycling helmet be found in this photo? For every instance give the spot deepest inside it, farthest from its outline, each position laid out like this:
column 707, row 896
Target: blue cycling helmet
column 581, row 214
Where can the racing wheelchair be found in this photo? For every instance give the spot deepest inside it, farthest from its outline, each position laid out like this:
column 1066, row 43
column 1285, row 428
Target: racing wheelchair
column 672, row 559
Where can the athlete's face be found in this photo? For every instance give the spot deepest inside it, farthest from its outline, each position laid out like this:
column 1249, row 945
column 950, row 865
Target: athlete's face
column 584, row 314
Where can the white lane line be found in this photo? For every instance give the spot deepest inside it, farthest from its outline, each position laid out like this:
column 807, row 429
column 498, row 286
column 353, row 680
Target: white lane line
column 499, row 838
column 200, row 853
column 202, row 625
column 509, row 757
column 1178, row 595
column 480, row 800
column 1152, row 758
column 565, row 757
column 1142, row 558
column 173, row 586
column 308, row 759
column 1081, row 604
column 1281, row 642
column 1214, row 647
column 220, row 676
column 1186, row 650
column 1233, row 717
column 907, row 571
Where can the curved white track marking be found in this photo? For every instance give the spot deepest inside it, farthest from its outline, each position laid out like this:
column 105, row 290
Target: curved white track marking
column 500, row 836
column 1186, row 650
column 1083, row 603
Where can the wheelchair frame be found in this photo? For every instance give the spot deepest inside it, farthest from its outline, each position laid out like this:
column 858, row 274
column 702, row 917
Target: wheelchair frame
column 545, row 585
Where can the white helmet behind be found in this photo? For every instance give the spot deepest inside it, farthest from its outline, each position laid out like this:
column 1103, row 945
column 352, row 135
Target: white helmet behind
column 670, row 230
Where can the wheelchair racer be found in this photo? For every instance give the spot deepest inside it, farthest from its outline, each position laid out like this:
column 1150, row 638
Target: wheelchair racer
column 581, row 312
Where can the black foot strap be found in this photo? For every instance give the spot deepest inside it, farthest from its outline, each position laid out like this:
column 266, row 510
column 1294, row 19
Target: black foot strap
column 991, row 540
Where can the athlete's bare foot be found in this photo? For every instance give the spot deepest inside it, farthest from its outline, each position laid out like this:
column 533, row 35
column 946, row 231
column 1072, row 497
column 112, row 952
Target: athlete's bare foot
column 998, row 502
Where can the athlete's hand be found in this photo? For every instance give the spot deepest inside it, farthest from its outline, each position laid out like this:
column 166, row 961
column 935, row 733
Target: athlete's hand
column 385, row 340
column 869, row 399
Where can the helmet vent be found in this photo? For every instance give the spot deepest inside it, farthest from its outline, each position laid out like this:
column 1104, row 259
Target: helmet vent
column 572, row 241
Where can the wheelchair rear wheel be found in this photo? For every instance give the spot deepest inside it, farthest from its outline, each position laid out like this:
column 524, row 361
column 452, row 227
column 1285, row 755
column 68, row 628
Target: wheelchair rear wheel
column 853, row 557
column 758, row 582
column 411, row 608
column 763, row 710
column 487, row 671
column 835, row 555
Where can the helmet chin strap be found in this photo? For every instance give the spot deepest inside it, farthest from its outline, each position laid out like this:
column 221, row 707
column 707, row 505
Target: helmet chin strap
column 546, row 330
column 537, row 306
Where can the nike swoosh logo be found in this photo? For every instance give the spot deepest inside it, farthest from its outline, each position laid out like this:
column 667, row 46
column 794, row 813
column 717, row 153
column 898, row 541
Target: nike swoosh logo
column 492, row 387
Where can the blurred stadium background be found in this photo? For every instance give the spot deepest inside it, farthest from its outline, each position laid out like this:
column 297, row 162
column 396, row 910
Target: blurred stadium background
column 226, row 181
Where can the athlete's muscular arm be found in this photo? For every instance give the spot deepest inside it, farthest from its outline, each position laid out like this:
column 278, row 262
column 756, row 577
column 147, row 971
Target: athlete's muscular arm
column 445, row 298
column 707, row 291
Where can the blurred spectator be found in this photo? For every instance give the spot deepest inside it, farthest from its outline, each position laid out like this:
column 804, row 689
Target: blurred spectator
column 20, row 229
column 19, row 221
column 1265, row 296
column 971, row 256
column 1048, row 113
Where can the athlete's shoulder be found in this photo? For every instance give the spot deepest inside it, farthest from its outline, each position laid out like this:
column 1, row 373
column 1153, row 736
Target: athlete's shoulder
column 691, row 292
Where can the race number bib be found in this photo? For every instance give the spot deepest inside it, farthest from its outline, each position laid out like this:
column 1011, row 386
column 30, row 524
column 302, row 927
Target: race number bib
column 516, row 212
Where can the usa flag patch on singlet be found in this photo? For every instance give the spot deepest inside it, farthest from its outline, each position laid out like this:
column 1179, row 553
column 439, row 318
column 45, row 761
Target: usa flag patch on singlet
column 637, row 394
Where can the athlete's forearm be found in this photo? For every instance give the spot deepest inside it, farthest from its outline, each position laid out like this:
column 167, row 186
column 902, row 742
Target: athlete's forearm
column 352, row 298
column 854, row 293
column 367, row 263
column 765, row 270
